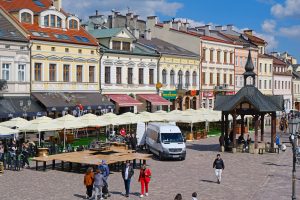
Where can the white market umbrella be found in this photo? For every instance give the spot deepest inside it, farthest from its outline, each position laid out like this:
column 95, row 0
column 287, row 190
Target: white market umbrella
column 152, row 117
column 91, row 120
column 15, row 122
column 7, row 132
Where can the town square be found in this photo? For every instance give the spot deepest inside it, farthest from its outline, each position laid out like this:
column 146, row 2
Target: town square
column 149, row 99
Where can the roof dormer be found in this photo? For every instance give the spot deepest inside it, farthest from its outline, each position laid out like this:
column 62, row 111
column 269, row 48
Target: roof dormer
column 26, row 16
column 52, row 18
column 73, row 22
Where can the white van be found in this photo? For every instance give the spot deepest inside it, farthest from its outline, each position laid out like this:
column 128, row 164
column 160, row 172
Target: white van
column 165, row 140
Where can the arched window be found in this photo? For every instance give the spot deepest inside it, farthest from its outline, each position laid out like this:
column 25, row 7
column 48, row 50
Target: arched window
column 26, row 17
column 52, row 21
column 164, row 76
column 58, row 25
column 194, row 78
column 180, row 74
column 187, row 78
column 73, row 24
column 172, row 77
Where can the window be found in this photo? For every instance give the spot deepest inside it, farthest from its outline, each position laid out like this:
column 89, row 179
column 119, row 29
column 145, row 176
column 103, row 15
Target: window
column 211, row 78
column 52, row 72
column 241, row 61
column 265, row 68
column 260, row 67
column 130, row 75
column 231, row 58
column 67, row 50
column 22, row 47
column 38, row 71
column 255, row 60
column 92, row 52
column 79, row 51
column 79, row 73
column 187, row 78
column 52, row 20
column 230, row 79
column 180, row 74
column 270, row 84
column 7, row 46
column 66, row 73
column 164, row 76
column 275, row 84
column 194, row 78
column 224, row 78
column 52, row 48
column 38, row 47
column 204, row 55
column 126, row 46
column 107, row 75
column 119, row 75
column 46, row 20
column 265, row 85
column 289, row 85
column 236, row 61
column 225, row 57
column 218, row 78
column 26, row 17
column 218, row 56
column 73, row 24
column 211, row 55
column 21, row 72
column 58, row 25
column 92, row 74
column 172, row 77
column 116, row 45
column 241, row 81
column 259, row 86
column 270, row 68
column 5, row 71
column 151, row 76
column 141, row 76
column 203, row 80
column 282, row 85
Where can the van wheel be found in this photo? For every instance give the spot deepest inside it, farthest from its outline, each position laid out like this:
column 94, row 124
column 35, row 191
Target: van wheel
column 160, row 156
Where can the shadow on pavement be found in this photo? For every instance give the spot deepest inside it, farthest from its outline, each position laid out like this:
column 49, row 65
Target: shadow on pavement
column 208, row 181
column 203, row 147
column 274, row 164
column 79, row 196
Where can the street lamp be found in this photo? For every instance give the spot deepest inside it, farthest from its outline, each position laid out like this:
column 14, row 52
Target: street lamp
column 293, row 127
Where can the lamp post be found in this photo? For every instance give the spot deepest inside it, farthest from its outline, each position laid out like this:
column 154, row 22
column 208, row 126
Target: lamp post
column 293, row 127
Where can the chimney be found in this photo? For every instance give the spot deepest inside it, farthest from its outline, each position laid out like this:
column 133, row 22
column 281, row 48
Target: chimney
column 167, row 24
column 151, row 21
column 57, row 4
column 96, row 12
column 229, row 27
column 136, row 33
column 248, row 32
column 148, row 34
column 219, row 28
column 184, row 26
column 207, row 30
column 176, row 25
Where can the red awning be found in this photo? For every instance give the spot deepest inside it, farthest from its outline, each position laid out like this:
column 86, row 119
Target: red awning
column 124, row 100
column 155, row 99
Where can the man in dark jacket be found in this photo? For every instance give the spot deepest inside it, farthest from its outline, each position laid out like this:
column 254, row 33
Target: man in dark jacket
column 127, row 173
column 219, row 166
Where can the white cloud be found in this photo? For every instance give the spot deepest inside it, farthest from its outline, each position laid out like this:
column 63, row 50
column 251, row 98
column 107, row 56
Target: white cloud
column 269, row 25
column 290, row 8
column 291, row 32
column 191, row 22
column 141, row 7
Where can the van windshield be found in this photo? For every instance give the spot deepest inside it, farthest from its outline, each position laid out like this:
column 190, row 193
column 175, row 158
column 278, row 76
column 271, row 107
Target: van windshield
column 171, row 137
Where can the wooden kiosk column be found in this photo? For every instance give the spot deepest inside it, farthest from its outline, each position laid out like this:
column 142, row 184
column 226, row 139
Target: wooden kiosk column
column 273, row 129
column 226, row 125
column 234, row 132
column 256, row 123
column 243, row 125
column 222, row 138
column 262, row 127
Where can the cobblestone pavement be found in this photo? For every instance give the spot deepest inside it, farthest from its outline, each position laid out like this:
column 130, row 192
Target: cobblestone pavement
column 246, row 176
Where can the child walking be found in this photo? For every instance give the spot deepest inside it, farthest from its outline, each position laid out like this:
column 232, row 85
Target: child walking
column 88, row 182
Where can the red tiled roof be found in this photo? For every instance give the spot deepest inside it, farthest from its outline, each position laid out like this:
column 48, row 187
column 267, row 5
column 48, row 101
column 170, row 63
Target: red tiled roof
column 70, row 32
column 264, row 56
column 209, row 38
column 255, row 39
column 15, row 5
column 277, row 61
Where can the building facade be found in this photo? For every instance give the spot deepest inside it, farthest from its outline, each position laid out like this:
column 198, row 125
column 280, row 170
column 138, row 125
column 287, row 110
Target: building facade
column 265, row 74
column 296, row 90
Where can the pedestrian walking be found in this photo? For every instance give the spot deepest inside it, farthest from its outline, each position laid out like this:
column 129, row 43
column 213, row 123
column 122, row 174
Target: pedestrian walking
column 25, row 153
column 88, row 182
column 194, row 196
column 178, row 197
column 98, row 184
column 127, row 173
column 1, row 151
column 144, row 179
column 219, row 166
column 105, row 172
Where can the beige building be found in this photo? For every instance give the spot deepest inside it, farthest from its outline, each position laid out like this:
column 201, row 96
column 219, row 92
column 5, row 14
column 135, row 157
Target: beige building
column 265, row 74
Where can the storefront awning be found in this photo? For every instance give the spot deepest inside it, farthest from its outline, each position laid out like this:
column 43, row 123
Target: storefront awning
column 155, row 99
column 124, row 100
column 59, row 101
column 11, row 107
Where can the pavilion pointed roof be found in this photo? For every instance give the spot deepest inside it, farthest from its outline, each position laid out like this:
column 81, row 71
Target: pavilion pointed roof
column 249, row 67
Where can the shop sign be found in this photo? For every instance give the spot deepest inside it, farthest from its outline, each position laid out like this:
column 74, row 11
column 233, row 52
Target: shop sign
column 169, row 94
column 230, row 93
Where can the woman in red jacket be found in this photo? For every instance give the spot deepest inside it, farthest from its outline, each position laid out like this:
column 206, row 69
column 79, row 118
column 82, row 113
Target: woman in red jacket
column 144, row 178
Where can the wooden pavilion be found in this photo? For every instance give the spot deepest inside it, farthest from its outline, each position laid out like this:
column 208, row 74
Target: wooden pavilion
column 248, row 101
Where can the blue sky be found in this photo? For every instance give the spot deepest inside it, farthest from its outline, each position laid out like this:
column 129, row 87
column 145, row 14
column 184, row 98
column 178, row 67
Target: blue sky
column 277, row 21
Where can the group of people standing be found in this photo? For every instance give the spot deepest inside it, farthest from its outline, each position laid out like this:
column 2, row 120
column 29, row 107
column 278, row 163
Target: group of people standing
column 98, row 181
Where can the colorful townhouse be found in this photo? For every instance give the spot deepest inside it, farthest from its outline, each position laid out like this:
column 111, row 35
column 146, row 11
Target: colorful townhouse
column 296, row 89
column 15, row 100
column 64, row 57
